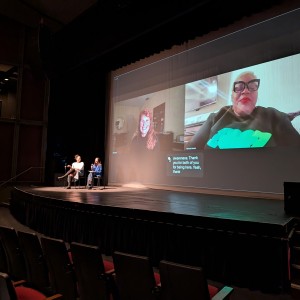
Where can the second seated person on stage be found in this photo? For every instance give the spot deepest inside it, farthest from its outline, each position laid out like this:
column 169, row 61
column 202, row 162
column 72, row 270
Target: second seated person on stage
column 96, row 170
column 76, row 170
column 144, row 143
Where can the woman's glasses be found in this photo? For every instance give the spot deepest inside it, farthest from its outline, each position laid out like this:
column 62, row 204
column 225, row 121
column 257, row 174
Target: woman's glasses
column 252, row 85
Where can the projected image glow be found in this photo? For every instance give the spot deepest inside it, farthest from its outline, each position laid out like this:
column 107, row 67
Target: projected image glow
column 247, row 115
column 220, row 128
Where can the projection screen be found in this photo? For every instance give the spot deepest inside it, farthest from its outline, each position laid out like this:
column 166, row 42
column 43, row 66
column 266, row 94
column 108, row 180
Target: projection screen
column 178, row 94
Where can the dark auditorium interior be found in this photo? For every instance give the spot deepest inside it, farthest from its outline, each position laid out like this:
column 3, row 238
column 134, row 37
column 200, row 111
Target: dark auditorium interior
column 57, row 59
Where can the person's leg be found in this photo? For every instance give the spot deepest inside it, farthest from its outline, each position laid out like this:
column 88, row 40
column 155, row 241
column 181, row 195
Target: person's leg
column 93, row 178
column 70, row 178
column 68, row 173
column 89, row 181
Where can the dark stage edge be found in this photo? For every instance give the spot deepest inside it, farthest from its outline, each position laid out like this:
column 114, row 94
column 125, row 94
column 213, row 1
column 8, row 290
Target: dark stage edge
column 239, row 241
column 243, row 214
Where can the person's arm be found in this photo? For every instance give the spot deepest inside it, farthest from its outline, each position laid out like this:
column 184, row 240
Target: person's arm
column 81, row 169
column 201, row 137
column 285, row 134
column 78, row 167
column 98, row 170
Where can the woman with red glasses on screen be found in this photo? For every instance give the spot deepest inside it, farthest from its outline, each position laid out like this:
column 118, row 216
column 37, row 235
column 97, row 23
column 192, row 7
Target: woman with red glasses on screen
column 244, row 124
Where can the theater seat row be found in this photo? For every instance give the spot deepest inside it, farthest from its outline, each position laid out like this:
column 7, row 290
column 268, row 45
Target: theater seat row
column 79, row 271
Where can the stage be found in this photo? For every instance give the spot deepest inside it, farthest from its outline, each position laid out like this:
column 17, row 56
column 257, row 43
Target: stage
column 240, row 241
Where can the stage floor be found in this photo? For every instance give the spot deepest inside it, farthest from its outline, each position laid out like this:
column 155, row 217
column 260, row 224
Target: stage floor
column 244, row 209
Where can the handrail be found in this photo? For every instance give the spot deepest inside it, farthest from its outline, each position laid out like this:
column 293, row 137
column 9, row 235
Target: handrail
column 14, row 177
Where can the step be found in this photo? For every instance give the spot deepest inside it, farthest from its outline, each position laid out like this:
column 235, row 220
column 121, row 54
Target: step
column 295, row 255
column 295, row 275
column 295, row 291
column 295, row 286
column 295, row 240
column 295, row 266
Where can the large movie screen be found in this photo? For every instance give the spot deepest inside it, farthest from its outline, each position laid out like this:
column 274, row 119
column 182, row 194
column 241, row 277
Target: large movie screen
column 224, row 124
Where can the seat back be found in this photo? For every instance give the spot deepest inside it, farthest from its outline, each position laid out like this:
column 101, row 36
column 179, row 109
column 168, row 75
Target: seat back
column 62, row 274
column 93, row 281
column 38, row 273
column 97, row 180
column 180, row 281
column 10, row 290
column 81, row 179
column 7, row 291
column 134, row 276
column 3, row 259
column 14, row 256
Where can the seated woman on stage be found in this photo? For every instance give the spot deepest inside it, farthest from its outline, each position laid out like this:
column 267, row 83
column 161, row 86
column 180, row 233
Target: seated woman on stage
column 76, row 170
column 96, row 170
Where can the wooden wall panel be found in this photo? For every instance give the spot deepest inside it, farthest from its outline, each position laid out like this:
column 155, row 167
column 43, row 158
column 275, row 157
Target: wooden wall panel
column 29, row 154
column 6, row 150
column 33, row 97
column 11, row 41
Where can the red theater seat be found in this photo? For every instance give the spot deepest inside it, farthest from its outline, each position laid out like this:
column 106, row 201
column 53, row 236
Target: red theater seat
column 10, row 290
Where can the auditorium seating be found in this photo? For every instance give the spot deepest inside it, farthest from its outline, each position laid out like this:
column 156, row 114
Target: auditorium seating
column 37, row 269
column 81, row 272
column 179, row 281
column 3, row 261
column 60, row 266
column 15, row 260
column 24, row 264
column 135, row 277
column 94, row 274
column 10, row 290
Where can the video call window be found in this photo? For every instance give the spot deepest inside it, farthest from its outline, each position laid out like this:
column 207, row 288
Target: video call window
column 203, row 97
column 273, row 89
